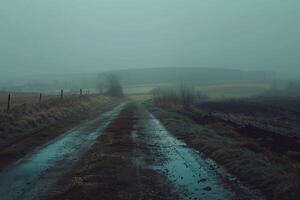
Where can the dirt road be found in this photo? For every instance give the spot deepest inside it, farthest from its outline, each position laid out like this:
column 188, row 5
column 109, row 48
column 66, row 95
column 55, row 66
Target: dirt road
column 132, row 157
column 137, row 158
column 34, row 173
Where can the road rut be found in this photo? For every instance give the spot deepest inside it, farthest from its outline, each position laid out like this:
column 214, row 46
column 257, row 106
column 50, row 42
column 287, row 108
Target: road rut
column 192, row 175
column 34, row 173
column 134, row 158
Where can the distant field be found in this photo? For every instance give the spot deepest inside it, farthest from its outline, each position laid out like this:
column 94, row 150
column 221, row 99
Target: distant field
column 140, row 97
column 214, row 91
column 141, row 89
column 141, row 92
column 234, row 89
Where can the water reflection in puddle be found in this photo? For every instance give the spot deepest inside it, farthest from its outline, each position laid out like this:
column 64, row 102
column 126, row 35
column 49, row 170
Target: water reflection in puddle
column 193, row 176
column 33, row 174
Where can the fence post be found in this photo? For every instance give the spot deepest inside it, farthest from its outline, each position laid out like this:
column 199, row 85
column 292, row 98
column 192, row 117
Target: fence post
column 40, row 100
column 8, row 102
column 61, row 94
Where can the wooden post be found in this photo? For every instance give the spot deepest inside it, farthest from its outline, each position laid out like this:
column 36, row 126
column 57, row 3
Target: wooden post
column 61, row 94
column 8, row 102
column 40, row 100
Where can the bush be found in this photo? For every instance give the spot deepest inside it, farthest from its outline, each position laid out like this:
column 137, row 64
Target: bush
column 184, row 95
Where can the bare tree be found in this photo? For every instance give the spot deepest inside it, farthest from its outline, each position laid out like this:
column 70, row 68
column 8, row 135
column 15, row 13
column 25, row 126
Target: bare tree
column 114, row 87
column 187, row 94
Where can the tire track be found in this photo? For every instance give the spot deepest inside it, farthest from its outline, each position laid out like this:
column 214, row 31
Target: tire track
column 34, row 173
column 192, row 175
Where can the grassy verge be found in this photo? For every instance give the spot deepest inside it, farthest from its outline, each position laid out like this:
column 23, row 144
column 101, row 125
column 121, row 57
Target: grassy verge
column 26, row 128
column 106, row 170
column 274, row 175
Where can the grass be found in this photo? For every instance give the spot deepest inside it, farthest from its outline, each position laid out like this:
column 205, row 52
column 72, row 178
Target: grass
column 234, row 89
column 28, row 126
column 19, row 98
column 141, row 89
column 220, row 90
column 30, row 98
column 274, row 174
column 140, row 97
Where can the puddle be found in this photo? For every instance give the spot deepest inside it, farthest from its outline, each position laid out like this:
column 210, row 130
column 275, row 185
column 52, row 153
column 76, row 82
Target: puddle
column 192, row 175
column 34, row 173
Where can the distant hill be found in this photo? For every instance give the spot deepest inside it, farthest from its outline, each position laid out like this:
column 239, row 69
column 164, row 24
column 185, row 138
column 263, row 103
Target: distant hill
column 192, row 75
column 132, row 77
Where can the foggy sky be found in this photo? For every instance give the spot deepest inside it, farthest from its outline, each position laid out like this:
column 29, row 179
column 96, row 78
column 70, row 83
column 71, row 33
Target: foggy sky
column 70, row 36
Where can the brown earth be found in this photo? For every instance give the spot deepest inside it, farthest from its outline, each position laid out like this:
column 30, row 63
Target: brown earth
column 106, row 171
column 270, row 123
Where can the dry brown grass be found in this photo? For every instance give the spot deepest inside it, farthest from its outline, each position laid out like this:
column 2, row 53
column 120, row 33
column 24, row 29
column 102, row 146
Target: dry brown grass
column 28, row 126
column 140, row 97
column 272, row 173
column 19, row 98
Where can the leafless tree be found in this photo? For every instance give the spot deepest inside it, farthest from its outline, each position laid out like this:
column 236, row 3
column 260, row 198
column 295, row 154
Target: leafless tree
column 114, row 87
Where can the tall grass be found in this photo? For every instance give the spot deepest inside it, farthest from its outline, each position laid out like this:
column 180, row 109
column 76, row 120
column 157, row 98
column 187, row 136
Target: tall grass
column 26, row 118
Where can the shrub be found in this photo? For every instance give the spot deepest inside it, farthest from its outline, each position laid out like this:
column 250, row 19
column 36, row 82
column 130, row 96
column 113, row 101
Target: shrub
column 184, row 95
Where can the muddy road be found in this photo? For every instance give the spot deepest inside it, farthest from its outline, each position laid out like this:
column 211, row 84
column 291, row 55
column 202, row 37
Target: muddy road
column 192, row 175
column 125, row 154
column 35, row 172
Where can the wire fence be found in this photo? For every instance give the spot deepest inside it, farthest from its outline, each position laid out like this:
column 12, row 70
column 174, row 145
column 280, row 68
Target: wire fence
column 9, row 100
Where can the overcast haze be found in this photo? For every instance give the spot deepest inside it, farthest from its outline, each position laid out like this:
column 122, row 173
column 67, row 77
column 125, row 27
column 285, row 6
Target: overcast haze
column 70, row 36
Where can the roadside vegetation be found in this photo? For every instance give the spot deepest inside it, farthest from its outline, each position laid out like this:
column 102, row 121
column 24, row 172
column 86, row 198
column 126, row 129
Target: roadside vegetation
column 19, row 98
column 28, row 126
column 256, row 139
column 31, row 122
column 184, row 95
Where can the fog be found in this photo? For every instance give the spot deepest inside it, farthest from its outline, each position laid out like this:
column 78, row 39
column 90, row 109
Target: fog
column 76, row 36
